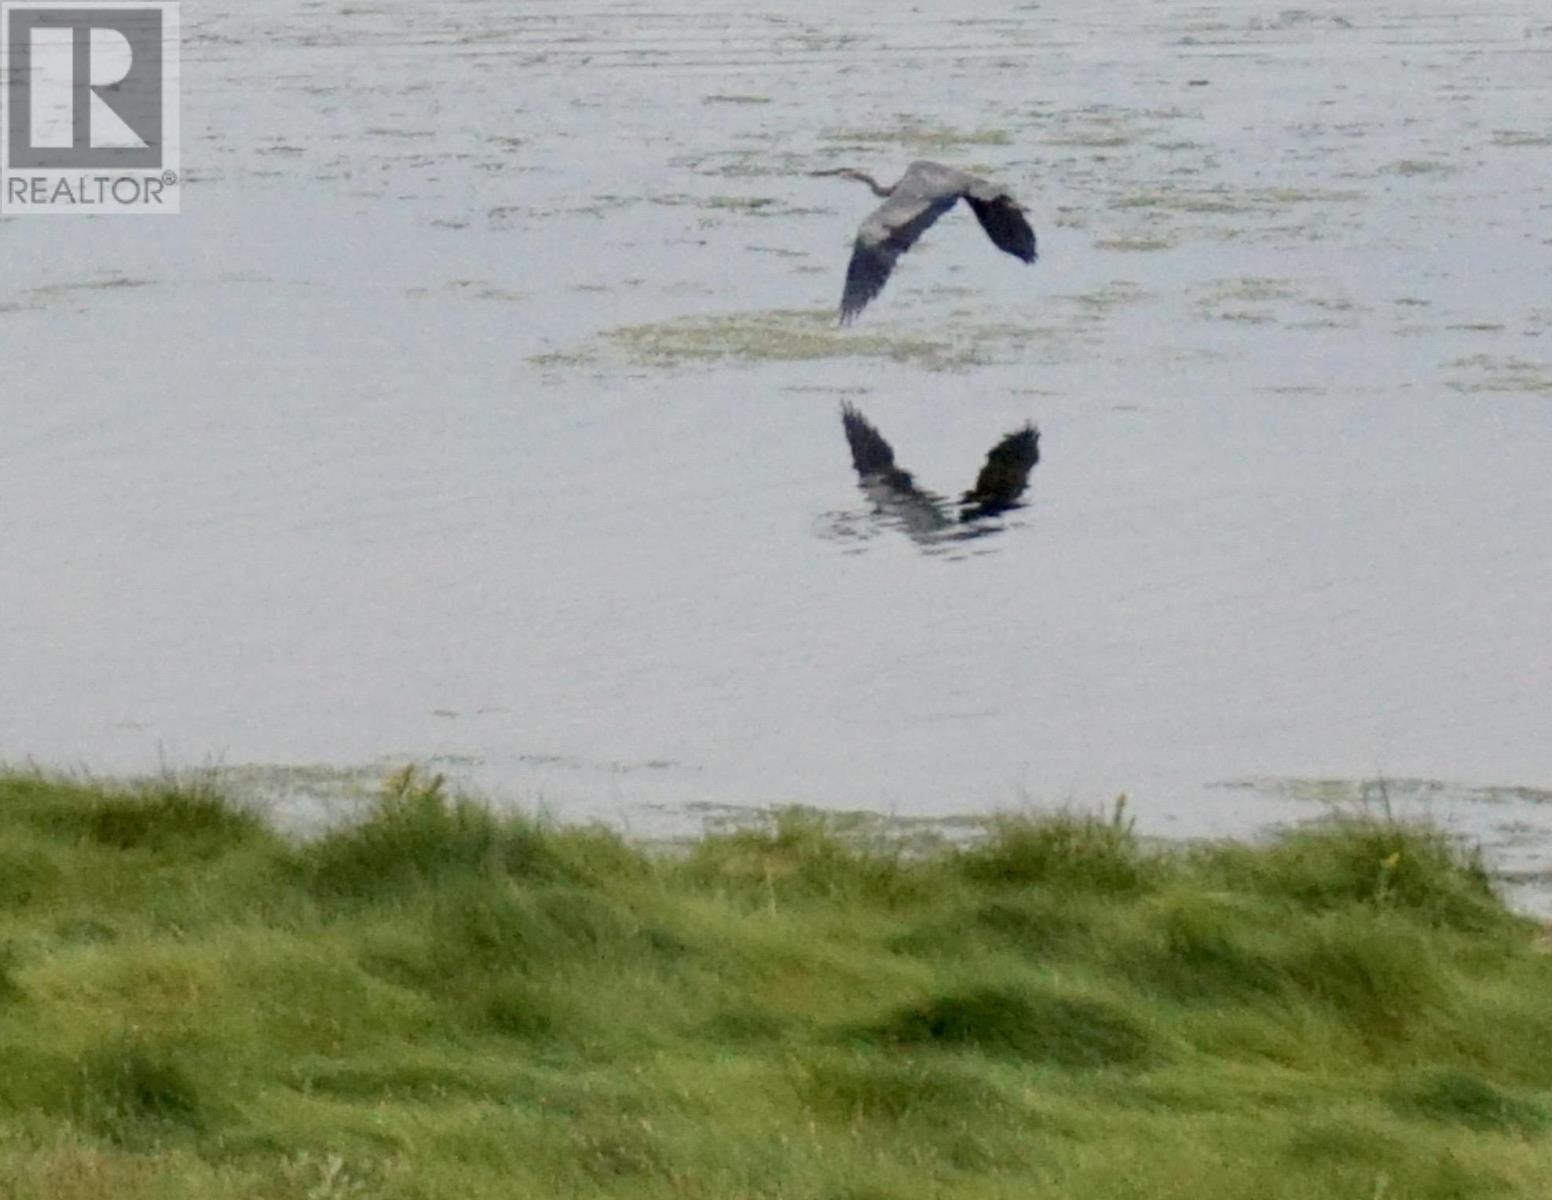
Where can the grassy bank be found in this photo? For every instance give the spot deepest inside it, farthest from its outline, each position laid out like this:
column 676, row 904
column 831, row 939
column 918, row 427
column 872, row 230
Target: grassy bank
column 443, row 1003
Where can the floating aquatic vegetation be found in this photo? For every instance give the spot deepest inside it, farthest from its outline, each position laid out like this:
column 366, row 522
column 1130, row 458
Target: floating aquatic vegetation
column 800, row 335
column 1494, row 373
column 921, row 138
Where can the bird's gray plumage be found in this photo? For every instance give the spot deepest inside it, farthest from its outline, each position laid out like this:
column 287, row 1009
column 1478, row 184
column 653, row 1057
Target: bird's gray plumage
column 924, row 193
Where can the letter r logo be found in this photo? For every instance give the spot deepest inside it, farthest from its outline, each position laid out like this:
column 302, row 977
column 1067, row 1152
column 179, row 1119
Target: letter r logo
column 85, row 86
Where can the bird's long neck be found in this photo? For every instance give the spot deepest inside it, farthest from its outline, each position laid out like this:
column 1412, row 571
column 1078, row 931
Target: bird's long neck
column 861, row 177
column 871, row 182
column 878, row 188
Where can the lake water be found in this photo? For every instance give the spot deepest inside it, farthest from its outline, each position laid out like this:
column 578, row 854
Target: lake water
column 481, row 409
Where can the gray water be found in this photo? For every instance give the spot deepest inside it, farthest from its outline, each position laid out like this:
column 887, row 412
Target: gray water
column 481, row 410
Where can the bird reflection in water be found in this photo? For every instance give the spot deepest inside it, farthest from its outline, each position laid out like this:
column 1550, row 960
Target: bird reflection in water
column 932, row 521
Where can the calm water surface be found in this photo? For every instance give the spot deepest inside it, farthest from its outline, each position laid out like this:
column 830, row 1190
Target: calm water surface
column 482, row 409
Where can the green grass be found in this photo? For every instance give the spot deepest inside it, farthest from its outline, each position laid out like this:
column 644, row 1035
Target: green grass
column 440, row 1001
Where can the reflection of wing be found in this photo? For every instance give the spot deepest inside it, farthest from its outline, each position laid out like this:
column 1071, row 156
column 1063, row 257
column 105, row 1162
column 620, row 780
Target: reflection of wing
column 870, row 453
column 924, row 517
column 1006, row 473
column 895, row 493
column 1004, row 223
column 889, row 231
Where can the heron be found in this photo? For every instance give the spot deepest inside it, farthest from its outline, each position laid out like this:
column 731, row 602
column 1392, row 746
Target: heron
column 1001, row 482
column 924, row 193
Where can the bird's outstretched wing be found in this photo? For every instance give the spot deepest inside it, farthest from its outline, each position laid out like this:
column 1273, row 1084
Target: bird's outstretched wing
column 889, row 231
column 1004, row 222
column 1006, row 473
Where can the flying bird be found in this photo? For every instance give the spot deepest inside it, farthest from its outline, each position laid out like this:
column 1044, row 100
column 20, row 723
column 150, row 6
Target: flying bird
column 924, row 193
column 997, row 488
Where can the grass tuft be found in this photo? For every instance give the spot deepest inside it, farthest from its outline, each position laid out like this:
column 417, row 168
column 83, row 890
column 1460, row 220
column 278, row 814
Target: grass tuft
column 10, row 988
column 1195, row 952
column 1088, row 852
column 416, row 835
column 1375, row 972
column 1460, row 1097
column 853, row 1088
column 1069, row 1031
column 27, row 877
column 483, row 926
column 805, row 855
column 134, row 1091
column 1369, row 861
column 187, row 817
